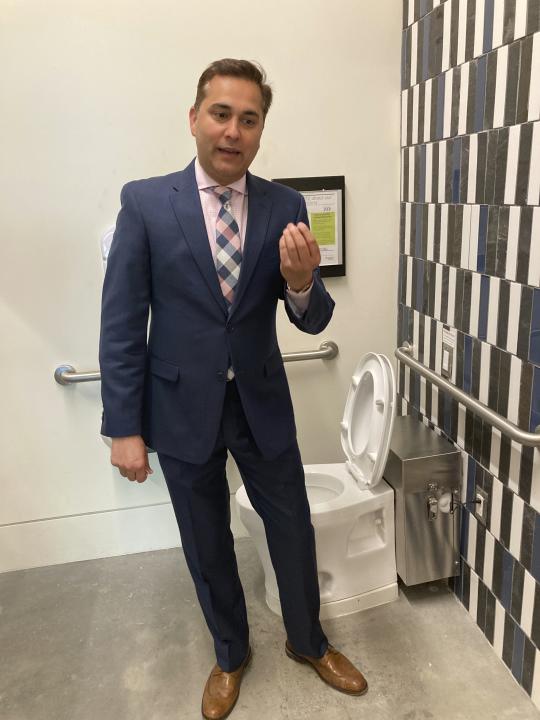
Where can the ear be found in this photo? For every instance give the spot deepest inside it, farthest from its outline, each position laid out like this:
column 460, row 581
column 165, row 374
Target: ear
column 192, row 119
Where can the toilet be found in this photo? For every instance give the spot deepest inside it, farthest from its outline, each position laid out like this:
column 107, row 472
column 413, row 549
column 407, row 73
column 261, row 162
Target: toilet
column 352, row 507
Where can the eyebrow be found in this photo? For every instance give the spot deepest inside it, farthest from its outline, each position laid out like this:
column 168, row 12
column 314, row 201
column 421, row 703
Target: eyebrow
column 224, row 106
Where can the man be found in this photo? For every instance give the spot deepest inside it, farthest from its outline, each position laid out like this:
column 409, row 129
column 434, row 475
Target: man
column 211, row 249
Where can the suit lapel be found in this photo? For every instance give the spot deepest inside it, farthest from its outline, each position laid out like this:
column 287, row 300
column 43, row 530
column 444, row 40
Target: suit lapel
column 186, row 204
column 259, row 206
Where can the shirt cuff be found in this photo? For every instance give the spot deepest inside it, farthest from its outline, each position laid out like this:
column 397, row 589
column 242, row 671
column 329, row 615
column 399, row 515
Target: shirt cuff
column 299, row 301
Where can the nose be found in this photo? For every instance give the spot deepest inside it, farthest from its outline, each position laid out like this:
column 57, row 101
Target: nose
column 233, row 129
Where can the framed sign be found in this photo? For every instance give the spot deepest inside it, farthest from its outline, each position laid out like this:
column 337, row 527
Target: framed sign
column 325, row 202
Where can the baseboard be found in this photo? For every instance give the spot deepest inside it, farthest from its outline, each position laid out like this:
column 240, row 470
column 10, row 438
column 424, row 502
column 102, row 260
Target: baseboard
column 93, row 535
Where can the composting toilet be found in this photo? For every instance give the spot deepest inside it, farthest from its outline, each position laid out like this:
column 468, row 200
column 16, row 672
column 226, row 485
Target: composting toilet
column 352, row 507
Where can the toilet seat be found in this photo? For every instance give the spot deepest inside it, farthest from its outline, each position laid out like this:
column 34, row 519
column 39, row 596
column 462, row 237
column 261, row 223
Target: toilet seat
column 368, row 419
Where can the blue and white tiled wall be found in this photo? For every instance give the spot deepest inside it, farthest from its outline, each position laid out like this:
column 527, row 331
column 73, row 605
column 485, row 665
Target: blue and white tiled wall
column 470, row 260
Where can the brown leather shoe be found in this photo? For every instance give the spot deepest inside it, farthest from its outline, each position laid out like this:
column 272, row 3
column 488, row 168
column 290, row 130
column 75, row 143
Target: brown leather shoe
column 222, row 690
column 335, row 669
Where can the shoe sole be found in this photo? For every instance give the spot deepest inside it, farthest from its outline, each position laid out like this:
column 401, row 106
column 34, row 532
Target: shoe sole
column 303, row 661
column 229, row 711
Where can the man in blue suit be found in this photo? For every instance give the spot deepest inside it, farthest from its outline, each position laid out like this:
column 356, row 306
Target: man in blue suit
column 210, row 250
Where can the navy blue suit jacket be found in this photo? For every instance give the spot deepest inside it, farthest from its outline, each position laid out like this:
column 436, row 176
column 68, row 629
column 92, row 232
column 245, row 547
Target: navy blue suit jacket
column 168, row 385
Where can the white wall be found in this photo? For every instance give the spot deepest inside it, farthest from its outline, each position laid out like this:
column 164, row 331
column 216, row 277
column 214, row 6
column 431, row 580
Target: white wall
column 96, row 93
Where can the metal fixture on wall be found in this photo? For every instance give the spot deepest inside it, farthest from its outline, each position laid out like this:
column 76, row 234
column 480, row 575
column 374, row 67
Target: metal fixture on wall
column 67, row 375
column 532, row 439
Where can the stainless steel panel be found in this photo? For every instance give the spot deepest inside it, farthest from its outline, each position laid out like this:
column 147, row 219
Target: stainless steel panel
column 421, row 467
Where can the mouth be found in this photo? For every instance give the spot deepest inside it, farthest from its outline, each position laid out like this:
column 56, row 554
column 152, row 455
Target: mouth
column 231, row 152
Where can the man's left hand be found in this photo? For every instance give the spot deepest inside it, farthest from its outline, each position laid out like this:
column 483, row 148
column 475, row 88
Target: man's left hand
column 300, row 255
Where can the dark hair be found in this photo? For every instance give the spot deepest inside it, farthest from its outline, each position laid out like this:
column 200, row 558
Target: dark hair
column 236, row 68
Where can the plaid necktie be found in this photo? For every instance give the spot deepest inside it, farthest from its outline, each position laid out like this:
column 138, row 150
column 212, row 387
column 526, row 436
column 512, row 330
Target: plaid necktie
column 228, row 248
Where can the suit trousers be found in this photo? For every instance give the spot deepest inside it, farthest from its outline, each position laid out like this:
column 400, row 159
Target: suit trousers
column 276, row 489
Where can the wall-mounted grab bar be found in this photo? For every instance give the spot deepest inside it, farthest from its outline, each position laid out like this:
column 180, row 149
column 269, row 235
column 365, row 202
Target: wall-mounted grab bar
column 67, row 375
column 404, row 354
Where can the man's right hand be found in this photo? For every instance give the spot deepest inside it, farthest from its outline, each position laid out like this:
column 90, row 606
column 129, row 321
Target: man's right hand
column 129, row 455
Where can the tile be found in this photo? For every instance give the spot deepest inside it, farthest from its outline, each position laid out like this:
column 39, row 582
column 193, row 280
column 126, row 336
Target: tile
column 502, row 246
column 426, row 32
column 485, row 375
column 513, row 317
column 529, row 492
column 529, row 658
column 495, row 159
column 524, row 84
column 525, row 396
column 442, row 172
column 481, row 606
column 480, row 94
column 513, row 154
column 470, row 30
column 488, row 25
column 447, row 17
column 436, row 41
column 501, row 163
column 490, row 617
column 514, row 214
column 535, row 692
column 466, row 585
column 495, row 454
column 472, row 169
column 506, row 517
column 524, row 331
column 462, row 30
column 520, row 22
column 480, row 549
column 491, row 82
column 493, row 313
column 496, row 508
column 412, row 119
column 481, row 167
column 502, row 321
column 427, row 111
column 508, row 640
column 515, row 546
column 534, row 347
column 500, row 86
column 510, row 108
column 534, row 258
column 473, row 595
column 516, row 368
column 454, row 29
column 534, row 172
column 527, row 606
column 533, row 16
column 488, row 559
column 498, row 22
column 534, row 85
column 414, row 53
column 464, row 169
column 535, row 630
column 535, row 570
column 524, row 244
column 478, row 42
column 483, row 309
column 447, row 110
column 517, row 654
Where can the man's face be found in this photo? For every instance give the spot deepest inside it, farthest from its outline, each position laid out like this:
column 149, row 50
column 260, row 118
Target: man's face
column 227, row 127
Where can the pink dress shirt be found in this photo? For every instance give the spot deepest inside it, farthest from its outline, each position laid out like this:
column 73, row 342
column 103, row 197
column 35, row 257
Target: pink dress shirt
column 239, row 205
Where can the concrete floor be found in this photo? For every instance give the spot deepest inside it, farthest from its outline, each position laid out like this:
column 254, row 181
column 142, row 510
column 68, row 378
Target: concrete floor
column 123, row 638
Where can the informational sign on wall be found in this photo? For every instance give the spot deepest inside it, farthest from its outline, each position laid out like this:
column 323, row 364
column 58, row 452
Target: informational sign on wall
column 325, row 203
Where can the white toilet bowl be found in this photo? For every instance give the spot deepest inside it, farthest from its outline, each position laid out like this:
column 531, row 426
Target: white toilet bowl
column 352, row 507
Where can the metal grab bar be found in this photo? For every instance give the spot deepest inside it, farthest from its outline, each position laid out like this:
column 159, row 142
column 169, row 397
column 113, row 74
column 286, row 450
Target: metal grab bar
column 501, row 423
column 67, row 375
